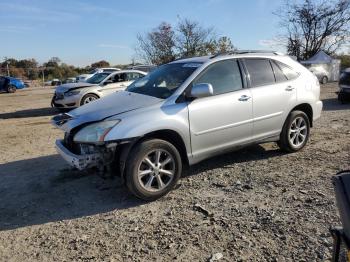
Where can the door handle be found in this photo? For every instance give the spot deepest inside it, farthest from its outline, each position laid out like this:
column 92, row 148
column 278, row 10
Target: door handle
column 289, row 88
column 244, row 98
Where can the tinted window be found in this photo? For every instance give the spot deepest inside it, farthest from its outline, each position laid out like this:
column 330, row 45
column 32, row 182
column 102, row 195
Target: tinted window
column 287, row 71
column 224, row 76
column 120, row 78
column 260, row 72
column 279, row 75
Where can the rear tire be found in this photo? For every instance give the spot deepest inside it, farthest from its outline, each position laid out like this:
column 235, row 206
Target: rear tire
column 341, row 98
column 324, row 80
column 11, row 89
column 295, row 132
column 152, row 169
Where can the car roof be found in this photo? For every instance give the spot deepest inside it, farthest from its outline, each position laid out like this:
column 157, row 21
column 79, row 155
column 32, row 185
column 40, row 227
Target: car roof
column 233, row 54
column 127, row 71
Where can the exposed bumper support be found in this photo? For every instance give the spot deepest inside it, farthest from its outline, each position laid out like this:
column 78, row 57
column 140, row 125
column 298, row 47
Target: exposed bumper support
column 78, row 161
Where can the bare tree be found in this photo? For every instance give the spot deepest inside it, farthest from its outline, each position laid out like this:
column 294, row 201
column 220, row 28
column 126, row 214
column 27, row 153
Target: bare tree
column 315, row 25
column 157, row 46
column 163, row 44
column 194, row 40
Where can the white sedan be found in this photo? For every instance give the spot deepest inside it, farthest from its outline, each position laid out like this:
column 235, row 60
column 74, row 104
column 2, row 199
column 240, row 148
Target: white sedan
column 72, row 95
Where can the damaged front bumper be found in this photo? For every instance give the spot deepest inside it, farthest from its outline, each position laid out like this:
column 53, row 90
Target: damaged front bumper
column 78, row 161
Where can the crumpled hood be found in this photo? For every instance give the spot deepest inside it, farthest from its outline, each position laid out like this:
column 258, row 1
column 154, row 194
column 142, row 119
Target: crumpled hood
column 71, row 86
column 111, row 105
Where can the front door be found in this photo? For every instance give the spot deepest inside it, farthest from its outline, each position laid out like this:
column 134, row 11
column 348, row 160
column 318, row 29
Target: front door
column 119, row 82
column 223, row 120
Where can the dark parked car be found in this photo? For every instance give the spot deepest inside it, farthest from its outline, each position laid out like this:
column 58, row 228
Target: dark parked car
column 344, row 86
column 341, row 235
column 10, row 84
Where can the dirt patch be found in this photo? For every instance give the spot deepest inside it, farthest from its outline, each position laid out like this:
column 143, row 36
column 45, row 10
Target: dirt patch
column 256, row 204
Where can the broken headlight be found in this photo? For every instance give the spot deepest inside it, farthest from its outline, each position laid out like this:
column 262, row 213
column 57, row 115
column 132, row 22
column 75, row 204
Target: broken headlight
column 95, row 132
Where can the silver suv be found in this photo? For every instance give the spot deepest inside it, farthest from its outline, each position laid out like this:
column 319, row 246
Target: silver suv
column 190, row 110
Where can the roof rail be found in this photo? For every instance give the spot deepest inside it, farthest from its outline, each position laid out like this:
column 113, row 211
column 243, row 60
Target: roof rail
column 241, row 52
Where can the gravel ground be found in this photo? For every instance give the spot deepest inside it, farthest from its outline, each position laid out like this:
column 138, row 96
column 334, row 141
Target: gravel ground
column 256, row 204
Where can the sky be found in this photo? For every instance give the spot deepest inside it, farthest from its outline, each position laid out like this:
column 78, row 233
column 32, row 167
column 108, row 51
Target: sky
column 82, row 32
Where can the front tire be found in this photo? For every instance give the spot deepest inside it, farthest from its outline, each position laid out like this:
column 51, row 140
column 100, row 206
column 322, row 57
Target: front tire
column 324, row 80
column 88, row 99
column 11, row 89
column 153, row 168
column 295, row 132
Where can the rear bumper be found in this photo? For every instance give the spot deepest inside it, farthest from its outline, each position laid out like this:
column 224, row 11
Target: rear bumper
column 317, row 110
column 78, row 161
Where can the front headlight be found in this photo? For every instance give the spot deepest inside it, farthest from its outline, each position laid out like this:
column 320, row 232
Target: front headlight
column 72, row 93
column 95, row 132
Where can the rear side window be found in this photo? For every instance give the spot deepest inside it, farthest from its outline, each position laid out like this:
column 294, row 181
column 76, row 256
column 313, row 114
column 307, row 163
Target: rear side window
column 134, row 76
column 224, row 76
column 287, row 71
column 260, row 72
column 279, row 75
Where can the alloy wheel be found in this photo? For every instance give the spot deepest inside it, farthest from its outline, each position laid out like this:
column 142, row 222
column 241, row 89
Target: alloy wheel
column 156, row 170
column 298, row 132
column 89, row 99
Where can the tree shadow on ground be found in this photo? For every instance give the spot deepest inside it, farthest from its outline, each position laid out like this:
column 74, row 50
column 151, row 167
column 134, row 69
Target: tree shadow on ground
column 42, row 190
column 48, row 111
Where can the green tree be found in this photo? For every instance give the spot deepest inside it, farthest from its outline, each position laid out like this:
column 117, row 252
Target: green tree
column 100, row 64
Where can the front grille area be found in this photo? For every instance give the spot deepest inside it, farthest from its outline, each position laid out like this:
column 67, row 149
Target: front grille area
column 59, row 96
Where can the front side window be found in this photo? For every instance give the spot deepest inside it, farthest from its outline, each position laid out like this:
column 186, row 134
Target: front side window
column 224, row 76
column 260, row 72
column 163, row 81
column 122, row 77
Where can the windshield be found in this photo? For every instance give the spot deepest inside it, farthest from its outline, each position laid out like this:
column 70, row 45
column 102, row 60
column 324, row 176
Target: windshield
column 163, row 81
column 94, row 71
column 344, row 79
column 97, row 78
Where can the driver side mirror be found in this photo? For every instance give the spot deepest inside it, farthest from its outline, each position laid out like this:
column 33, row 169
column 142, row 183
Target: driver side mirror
column 202, row 90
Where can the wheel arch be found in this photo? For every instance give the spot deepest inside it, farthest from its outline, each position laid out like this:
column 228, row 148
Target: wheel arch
column 168, row 135
column 307, row 109
column 89, row 93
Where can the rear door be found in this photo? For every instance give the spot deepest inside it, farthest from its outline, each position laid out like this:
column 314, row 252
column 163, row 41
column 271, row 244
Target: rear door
column 225, row 119
column 273, row 95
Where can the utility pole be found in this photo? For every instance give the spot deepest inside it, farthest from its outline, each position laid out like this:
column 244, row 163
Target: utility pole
column 42, row 73
column 7, row 66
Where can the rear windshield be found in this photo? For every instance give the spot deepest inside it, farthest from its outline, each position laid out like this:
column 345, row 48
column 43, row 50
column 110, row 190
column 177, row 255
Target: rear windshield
column 344, row 78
